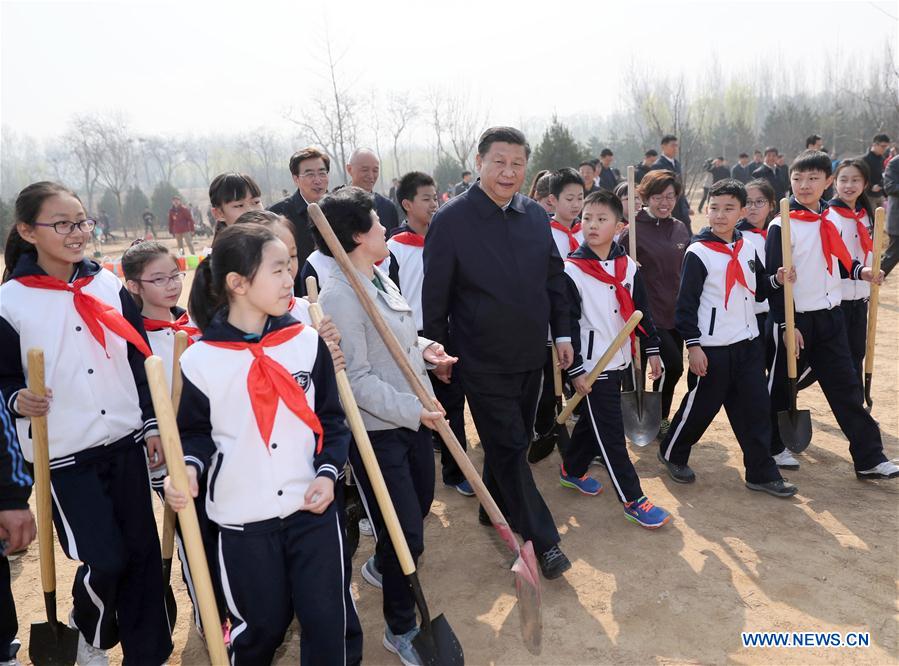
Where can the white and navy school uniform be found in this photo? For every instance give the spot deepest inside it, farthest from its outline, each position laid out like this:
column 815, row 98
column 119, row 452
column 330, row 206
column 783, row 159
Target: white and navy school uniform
column 602, row 295
column 757, row 237
column 161, row 335
column 720, row 284
column 817, row 295
column 276, row 560
column 317, row 265
column 407, row 271
column 100, row 414
column 854, row 227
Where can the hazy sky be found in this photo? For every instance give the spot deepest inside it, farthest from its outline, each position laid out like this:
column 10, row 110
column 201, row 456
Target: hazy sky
column 192, row 67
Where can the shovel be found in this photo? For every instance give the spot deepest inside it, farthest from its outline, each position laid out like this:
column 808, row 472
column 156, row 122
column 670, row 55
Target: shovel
column 190, row 529
column 794, row 425
column 541, row 447
column 641, row 411
column 52, row 643
column 168, row 517
column 527, row 583
column 563, row 438
column 601, row 364
column 435, row 643
column 874, row 301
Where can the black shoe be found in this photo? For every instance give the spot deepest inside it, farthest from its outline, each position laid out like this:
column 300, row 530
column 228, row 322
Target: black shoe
column 778, row 488
column 541, row 446
column 679, row 473
column 553, row 563
column 483, row 518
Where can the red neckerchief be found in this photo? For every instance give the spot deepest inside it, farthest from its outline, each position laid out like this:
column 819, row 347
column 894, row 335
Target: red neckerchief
column 180, row 324
column 734, row 272
column 832, row 244
column 858, row 215
column 594, row 269
column 409, row 238
column 761, row 232
column 95, row 313
column 576, row 227
column 572, row 241
column 268, row 381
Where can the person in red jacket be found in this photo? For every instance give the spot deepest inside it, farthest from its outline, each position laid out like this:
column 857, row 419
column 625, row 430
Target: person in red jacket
column 181, row 225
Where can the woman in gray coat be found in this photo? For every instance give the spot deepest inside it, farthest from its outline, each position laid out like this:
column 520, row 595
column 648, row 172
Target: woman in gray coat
column 392, row 414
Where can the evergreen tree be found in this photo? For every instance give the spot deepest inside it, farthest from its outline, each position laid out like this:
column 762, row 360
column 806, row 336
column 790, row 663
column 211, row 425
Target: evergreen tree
column 557, row 149
column 135, row 203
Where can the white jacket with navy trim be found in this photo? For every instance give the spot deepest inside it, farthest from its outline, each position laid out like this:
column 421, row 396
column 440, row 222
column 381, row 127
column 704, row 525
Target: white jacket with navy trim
column 852, row 290
column 248, row 482
column 408, row 263
column 757, row 240
column 97, row 399
column 700, row 316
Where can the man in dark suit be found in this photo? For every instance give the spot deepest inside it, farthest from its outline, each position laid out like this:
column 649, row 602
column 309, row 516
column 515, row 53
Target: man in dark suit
column 742, row 170
column 310, row 169
column 364, row 169
column 608, row 177
column 874, row 159
column 463, row 185
column 668, row 160
column 771, row 172
column 493, row 283
column 643, row 168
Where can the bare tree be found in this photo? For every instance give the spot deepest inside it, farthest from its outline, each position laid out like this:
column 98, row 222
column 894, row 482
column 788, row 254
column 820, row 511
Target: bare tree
column 168, row 153
column 266, row 150
column 86, row 145
column 457, row 123
column 401, row 112
column 117, row 158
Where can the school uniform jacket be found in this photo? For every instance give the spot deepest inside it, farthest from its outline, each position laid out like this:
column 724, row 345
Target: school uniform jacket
column 756, row 237
column 97, row 399
column 567, row 240
column 385, row 398
column 162, row 342
column 295, row 208
column 848, row 225
column 815, row 288
column 15, row 481
column 317, row 265
column 299, row 310
column 702, row 316
column 249, row 481
column 406, row 262
column 595, row 312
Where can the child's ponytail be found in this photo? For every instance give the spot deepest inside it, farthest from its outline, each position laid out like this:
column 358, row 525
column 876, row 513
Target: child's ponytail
column 203, row 301
column 16, row 246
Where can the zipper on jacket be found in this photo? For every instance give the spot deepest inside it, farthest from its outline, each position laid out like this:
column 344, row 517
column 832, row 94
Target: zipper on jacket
column 590, row 345
column 215, row 474
column 712, row 322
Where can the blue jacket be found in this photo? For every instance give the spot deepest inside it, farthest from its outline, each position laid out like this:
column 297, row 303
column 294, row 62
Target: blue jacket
column 493, row 283
column 15, row 482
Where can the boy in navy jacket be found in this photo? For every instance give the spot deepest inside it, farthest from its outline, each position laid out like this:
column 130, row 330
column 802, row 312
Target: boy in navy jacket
column 721, row 280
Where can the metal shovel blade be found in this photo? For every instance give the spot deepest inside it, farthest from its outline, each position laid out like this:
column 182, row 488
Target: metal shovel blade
column 52, row 643
column 527, row 589
column 437, row 645
column 641, row 413
column 794, row 425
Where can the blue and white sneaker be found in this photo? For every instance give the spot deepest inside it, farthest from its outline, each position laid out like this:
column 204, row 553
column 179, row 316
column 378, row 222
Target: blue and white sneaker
column 401, row 646
column 646, row 514
column 371, row 574
column 585, row 484
column 463, row 488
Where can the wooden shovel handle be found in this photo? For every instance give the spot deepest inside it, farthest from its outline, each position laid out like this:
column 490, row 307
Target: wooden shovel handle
column 169, row 517
column 787, row 250
column 874, row 301
column 41, row 444
column 399, row 356
column 601, row 364
column 190, row 529
column 363, row 443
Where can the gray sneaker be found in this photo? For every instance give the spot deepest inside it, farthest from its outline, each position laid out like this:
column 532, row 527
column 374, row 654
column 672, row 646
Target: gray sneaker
column 371, row 574
column 679, row 473
column 778, row 488
column 401, row 646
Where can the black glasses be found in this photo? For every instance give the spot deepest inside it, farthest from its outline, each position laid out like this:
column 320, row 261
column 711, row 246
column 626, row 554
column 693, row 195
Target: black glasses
column 66, row 227
column 165, row 281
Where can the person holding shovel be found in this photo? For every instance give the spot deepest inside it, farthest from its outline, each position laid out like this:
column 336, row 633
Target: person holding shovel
column 494, row 283
column 393, row 416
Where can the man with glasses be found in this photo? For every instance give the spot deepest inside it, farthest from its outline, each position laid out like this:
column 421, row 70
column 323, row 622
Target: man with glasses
column 874, row 159
column 181, row 225
column 309, row 169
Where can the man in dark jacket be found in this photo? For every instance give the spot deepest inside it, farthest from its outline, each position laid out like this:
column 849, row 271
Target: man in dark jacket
column 891, row 189
column 742, row 170
column 771, row 172
column 17, row 528
column 649, row 158
column 463, row 185
column 608, row 177
column 874, row 159
column 668, row 160
column 364, row 169
column 493, row 284
column 310, row 169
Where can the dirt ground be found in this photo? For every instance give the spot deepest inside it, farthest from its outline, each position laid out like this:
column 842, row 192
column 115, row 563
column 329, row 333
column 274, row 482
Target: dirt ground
column 729, row 561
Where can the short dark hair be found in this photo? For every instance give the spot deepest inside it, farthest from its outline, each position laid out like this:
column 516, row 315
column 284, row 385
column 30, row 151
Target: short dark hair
column 349, row 212
column 586, row 163
column 232, row 186
column 742, row 155
column 464, row 173
column 812, row 140
column 502, row 134
column 606, row 152
column 756, row 152
column 410, row 182
column 562, row 178
column 605, row 198
column 267, row 219
column 771, row 149
column 621, row 189
column 668, row 138
column 728, row 187
column 652, row 152
column 657, row 181
column 880, row 138
column 812, row 160
column 308, row 153
column 540, row 186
